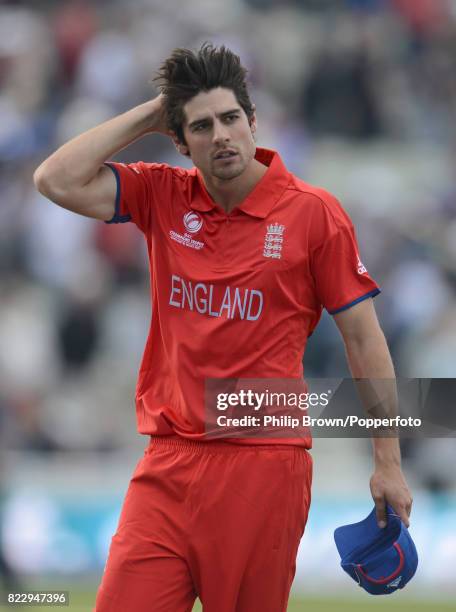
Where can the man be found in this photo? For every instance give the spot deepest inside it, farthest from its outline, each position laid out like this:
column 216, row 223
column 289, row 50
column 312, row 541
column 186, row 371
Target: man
column 243, row 257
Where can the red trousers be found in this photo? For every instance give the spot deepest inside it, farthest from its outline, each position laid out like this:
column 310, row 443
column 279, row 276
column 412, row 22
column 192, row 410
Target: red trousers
column 211, row 520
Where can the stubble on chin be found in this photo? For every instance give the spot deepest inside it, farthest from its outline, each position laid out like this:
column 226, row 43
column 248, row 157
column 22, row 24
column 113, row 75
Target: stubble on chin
column 226, row 174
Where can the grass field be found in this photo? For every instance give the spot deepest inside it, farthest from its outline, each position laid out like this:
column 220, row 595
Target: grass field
column 82, row 601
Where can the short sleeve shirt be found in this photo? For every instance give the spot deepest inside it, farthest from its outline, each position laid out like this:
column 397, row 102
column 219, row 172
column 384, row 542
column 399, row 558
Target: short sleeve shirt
column 234, row 295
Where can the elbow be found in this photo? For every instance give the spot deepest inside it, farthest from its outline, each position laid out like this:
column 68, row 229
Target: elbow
column 41, row 180
column 46, row 183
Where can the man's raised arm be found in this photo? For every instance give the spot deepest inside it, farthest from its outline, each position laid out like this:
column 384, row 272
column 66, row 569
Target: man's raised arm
column 75, row 178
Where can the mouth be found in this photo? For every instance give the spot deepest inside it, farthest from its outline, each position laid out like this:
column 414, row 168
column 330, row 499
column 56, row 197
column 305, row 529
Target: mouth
column 225, row 154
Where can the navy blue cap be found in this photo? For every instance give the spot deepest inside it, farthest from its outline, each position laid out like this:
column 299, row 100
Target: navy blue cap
column 379, row 560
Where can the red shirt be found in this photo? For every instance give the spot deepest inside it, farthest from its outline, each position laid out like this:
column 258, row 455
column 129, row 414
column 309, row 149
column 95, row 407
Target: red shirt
column 233, row 295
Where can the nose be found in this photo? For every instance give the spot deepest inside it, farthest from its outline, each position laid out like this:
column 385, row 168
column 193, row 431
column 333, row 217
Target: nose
column 221, row 133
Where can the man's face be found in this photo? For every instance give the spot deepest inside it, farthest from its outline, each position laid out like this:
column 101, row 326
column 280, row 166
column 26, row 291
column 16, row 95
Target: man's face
column 218, row 135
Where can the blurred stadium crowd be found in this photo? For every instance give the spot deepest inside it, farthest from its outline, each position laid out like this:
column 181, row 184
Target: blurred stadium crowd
column 358, row 96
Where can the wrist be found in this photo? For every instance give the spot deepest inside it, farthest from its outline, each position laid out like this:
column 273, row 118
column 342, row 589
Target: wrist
column 387, row 453
column 151, row 118
column 387, row 463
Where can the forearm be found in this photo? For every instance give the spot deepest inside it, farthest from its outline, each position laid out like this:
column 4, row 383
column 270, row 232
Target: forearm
column 369, row 357
column 78, row 161
column 370, row 362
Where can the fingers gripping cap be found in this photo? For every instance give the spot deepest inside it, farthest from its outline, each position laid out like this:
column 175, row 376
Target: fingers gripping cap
column 379, row 560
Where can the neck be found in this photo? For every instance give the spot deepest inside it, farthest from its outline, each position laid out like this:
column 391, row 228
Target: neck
column 230, row 193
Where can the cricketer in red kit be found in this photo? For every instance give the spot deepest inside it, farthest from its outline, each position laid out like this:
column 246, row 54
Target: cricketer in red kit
column 243, row 258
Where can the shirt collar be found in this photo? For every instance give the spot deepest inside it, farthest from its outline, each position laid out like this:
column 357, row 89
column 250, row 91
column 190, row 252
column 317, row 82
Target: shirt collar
column 263, row 196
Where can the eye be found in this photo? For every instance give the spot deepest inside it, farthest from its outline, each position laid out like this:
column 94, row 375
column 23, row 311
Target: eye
column 231, row 118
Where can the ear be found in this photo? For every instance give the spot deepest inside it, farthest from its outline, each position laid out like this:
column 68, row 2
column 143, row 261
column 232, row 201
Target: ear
column 253, row 121
column 181, row 148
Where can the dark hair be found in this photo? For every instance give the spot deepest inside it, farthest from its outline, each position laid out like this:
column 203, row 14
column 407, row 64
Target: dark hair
column 186, row 73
